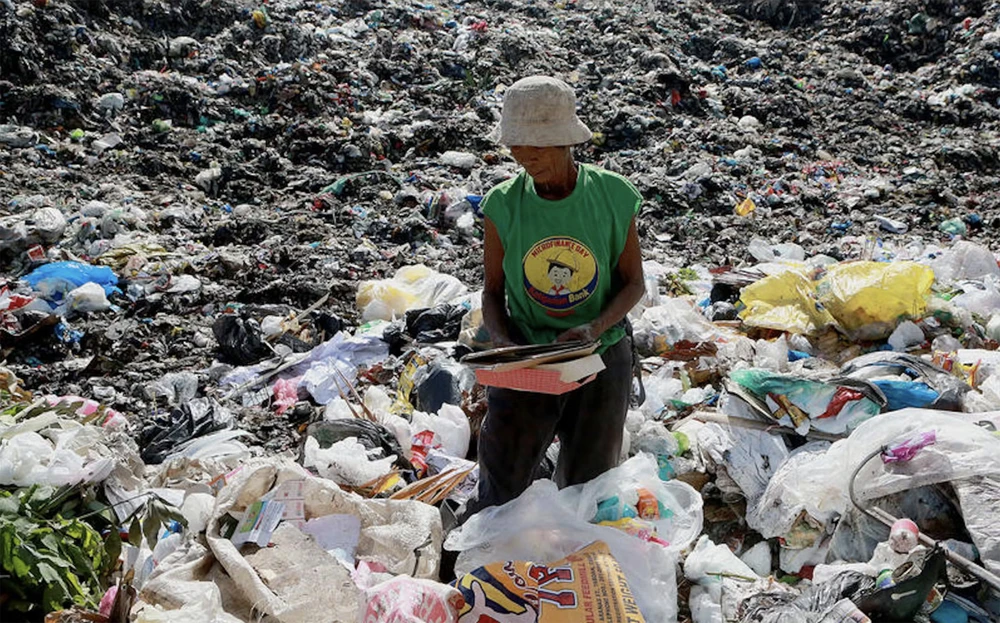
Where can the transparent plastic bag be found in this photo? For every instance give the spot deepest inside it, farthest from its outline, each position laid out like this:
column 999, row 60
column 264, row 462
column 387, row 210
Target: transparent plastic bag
column 546, row 525
column 537, row 526
column 680, row 526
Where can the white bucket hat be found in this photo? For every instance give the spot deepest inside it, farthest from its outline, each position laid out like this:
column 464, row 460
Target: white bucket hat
column 539, row 111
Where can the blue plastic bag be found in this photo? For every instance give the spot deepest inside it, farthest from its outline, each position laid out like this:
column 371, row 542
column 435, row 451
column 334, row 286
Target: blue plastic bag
column 53, row 281
column 903, row 394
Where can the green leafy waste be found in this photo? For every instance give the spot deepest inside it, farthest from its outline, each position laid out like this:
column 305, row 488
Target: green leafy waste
column 52, row 554
column 49, row 562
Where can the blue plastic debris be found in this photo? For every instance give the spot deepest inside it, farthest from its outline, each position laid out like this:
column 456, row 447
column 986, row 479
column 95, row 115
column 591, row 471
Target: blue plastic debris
column 53, row 281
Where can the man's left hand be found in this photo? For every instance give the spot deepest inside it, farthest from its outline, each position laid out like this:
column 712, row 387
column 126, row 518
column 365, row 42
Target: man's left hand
column 585, row 332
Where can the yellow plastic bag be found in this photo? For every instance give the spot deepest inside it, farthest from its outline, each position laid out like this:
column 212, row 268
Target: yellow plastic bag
column 385, row 299
column 869, row 299
column 785, row 302
column 412, row 287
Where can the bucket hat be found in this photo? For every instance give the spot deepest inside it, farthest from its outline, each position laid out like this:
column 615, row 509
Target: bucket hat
column 540, row 111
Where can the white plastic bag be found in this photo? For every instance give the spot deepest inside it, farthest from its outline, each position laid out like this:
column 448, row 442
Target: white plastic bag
column 815, row 478
column 709, row 566
column 451, row 426
column 661, row 327
column 980, row 298
column 684, row 503
column 546, row 525
column 412, row 287
column 89, row 297
column 538, row 527
column 964, row 260
column 346, row 462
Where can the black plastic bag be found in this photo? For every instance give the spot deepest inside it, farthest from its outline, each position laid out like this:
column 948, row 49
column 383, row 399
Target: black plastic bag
column 241, row 340
column 440, row 382
column 437, row 324
column 165, row 433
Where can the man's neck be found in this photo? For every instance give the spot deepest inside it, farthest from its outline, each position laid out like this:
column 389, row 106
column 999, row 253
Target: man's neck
column 562, row 188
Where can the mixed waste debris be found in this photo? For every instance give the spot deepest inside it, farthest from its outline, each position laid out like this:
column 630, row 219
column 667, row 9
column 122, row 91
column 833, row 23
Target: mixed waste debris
column 240, row 261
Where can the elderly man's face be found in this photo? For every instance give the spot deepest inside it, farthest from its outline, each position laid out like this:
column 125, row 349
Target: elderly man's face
column 545, row 165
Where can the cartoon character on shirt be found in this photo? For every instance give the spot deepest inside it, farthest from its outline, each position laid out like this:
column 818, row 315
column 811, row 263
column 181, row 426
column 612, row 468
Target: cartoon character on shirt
column 562, row 267
column 560, row 273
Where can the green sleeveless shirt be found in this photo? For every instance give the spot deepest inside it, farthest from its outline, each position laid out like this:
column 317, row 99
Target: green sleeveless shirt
column 560, row 257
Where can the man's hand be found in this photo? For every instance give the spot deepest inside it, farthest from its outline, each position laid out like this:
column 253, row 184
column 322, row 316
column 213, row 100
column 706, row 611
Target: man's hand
column 585, row 332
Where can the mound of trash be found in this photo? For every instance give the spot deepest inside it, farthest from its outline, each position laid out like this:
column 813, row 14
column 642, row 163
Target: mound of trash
column 241, row 251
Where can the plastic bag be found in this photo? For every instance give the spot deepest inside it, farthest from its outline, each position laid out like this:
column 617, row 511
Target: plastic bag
column 441, row 382
column 53, row 281
column 450, row 425
column 660, row 328
column 346, row 462
column 406, row 600
column 681, row 522
column 965, row 260
column 341, row 356
column 785, row 302
column 707, row 561
column 869, row 298
column 473, row 332
column 437, row 324
column 763, row 251
column 835, row 406
column 241, row 340
column 811, row 487
column 545, row 525
column 980, row 298
column 538, row 526
column 412, row 287
column 370, row 434
column 166, row 433
column 908, row 381
column 749, row 457
column 89, row 297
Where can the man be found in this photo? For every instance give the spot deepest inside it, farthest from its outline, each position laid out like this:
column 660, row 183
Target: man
column 562, row 263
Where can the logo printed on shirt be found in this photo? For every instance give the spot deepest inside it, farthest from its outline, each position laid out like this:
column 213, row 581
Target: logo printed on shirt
column 560, row 273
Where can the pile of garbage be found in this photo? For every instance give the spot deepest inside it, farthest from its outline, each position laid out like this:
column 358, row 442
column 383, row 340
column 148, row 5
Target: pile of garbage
column 241, row 259
column 826, row 452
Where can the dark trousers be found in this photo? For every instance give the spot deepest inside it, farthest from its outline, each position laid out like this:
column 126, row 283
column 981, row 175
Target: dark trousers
column 520, row 426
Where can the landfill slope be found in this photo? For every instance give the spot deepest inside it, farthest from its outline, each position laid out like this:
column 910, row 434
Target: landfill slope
column 232, row 118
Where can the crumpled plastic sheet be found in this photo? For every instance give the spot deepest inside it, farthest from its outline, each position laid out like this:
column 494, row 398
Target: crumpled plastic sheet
column 750, row 456
column 980, row 499
column 318, row 369
column 815, row 478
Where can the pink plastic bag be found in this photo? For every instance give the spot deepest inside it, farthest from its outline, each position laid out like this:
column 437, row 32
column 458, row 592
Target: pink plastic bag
column 407, row 600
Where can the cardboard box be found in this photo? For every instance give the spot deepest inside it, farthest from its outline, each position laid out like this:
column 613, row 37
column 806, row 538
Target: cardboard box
column 547, row 378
